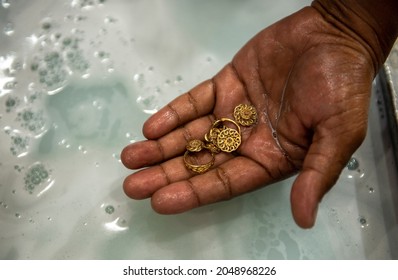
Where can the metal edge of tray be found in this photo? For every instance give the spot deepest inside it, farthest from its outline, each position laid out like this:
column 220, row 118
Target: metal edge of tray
column 389, row 79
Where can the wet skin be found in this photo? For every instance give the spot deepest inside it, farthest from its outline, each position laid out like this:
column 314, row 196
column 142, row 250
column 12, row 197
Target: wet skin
column 310, row 83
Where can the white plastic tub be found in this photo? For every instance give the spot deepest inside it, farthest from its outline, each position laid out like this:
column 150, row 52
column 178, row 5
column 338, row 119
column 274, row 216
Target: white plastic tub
column 77, row 81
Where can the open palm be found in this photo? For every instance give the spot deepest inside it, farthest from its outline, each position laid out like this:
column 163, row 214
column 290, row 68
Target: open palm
column 310, row 84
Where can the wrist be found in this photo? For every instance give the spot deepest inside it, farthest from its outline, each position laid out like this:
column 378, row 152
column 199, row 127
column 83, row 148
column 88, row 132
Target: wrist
column 373, row 23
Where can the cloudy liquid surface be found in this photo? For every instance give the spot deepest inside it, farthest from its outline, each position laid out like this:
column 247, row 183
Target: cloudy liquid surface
column 77, row 81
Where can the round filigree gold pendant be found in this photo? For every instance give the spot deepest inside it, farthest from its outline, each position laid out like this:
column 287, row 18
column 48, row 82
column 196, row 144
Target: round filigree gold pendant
column 245, row 115
column 195, row 145
column 228, row 140
column 212, row 135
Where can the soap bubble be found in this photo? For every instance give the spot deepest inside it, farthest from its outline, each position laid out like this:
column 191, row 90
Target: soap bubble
column 109, row 209
column 19, row 145
column 10, row 85
column 37, row 177
column 139, row 78
column 353, row 164
column 82, row 149
column 33, row 121
column 178, row 80
column 11, row 103
column 8, row 29
column 46, row 24
column 109, row 19
column 5, row 4
column 363, row 222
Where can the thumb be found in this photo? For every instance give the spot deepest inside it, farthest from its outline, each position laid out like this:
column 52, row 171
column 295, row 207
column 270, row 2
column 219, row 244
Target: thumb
column 326, row 158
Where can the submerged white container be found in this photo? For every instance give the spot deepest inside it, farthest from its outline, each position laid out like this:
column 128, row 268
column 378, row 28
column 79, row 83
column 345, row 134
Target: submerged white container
column 77, row 81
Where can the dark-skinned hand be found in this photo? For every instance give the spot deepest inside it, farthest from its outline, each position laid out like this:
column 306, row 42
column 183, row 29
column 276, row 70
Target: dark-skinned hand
column 310, row 83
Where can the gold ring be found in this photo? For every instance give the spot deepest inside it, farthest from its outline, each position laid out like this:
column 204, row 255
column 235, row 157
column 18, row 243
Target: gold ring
column 220, row 121
column 195, row 146
column 198, row 168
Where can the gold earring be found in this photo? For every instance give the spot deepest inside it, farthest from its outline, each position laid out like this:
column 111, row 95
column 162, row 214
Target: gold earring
column 225, row 138
column 245, row 114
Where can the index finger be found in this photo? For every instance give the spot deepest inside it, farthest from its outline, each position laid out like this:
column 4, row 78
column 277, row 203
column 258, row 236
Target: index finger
column 194, row 104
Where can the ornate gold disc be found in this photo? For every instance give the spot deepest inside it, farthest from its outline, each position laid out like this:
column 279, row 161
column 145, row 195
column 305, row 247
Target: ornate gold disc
column 245, row 114
column 228, row 140
column 195, row 145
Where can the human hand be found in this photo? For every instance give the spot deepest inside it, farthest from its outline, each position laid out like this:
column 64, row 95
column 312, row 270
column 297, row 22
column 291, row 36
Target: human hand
column 310, row 84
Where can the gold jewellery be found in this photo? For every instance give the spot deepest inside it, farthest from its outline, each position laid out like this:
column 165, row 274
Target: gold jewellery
column 220, row 138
